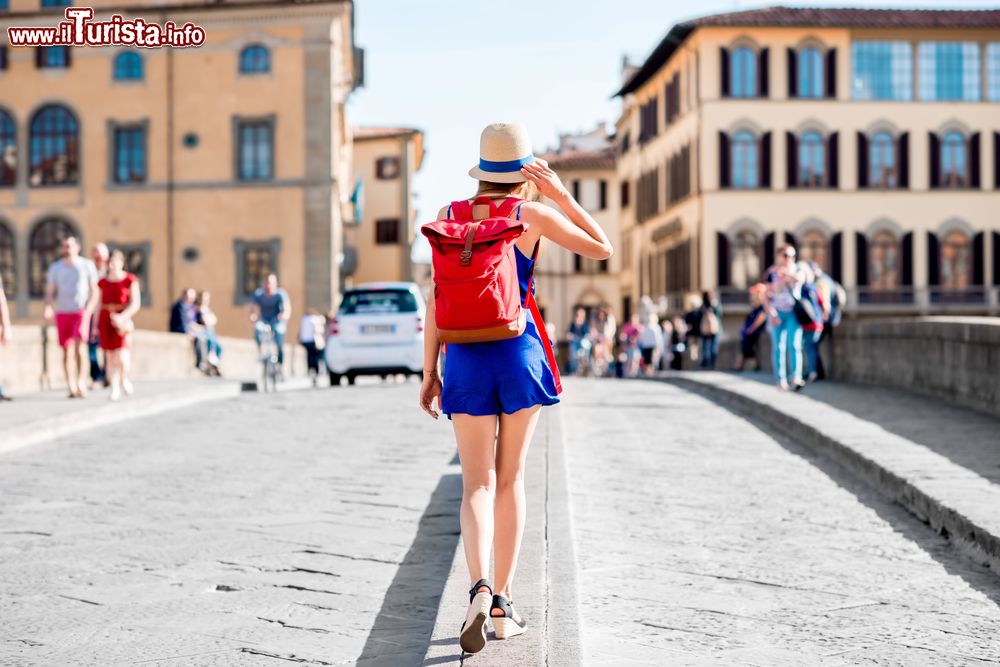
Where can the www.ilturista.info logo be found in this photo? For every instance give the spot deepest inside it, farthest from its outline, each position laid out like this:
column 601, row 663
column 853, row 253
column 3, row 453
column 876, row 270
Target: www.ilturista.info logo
column 80, row 30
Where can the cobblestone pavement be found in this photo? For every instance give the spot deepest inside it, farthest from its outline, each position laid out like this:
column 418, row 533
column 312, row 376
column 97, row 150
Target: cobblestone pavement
column 262, row 530
column 701, row 539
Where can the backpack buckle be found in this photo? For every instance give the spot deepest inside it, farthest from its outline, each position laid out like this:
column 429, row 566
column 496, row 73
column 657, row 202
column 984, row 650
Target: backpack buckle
column 465, row 257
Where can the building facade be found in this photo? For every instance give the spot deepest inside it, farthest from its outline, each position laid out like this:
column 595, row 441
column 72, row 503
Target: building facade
column 209, row 166
column 585, row 163
column 380, row 240
column 869, row 139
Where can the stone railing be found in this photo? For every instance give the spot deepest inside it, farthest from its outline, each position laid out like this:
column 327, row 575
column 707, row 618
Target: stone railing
column 32, row 359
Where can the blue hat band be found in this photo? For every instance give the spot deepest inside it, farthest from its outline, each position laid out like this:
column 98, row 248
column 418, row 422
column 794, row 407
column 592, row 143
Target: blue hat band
column 505, row 167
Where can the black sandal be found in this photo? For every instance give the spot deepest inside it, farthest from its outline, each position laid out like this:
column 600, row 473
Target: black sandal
column 473, row 634
column 510, row 624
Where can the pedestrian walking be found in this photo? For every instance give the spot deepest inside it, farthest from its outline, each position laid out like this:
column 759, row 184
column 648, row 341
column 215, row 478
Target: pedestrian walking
column 271, row 307
column 311, row 329
column 812, row 331
column 667, row 350
column 494, row 390
column 5, row 329
column 678, row 343
column 578, row 336
column 753, row 327
column 602, row 341
column 834, row 298
column 784, row 287
column 650, row 343
column 206, row 318
column 71, row 295
column 710, row 327
column 120, row 301
column 629, row 341
column 99, row 256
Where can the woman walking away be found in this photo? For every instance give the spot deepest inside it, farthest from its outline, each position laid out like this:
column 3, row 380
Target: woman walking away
column 493, row 390
column 709, row 326
column 311, row 337
column 650, row 344
column 120, row 300
column 784, row 287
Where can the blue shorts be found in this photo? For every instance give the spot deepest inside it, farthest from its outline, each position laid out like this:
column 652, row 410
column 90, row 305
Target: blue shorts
column 498, row 377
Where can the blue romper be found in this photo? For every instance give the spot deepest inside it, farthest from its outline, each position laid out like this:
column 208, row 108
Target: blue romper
column 501, row 376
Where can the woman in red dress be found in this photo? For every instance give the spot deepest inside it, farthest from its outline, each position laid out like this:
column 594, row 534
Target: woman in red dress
column 120, row 300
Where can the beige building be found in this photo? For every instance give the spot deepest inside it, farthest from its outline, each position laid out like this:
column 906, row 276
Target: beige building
column 868, row 138
column 380, row 239
column 209, row 166
column 585, row 163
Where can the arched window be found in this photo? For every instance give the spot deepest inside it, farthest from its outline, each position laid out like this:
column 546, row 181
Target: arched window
column 745, row 162
column 8, row 272
column 810, row 73
column 956, row 260
column 53, row 147
column 44, row 247
column 255, row 59
column 812, row 160
column 128, row 66
column 743, row 73
column 954, row 160
column 883, row 261
column 882, row 171
column 813, row 248
column 8, row 149
column 745, row 261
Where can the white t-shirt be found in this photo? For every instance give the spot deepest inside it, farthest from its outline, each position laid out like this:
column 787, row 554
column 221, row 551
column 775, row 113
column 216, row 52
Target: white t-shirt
column 309, row 328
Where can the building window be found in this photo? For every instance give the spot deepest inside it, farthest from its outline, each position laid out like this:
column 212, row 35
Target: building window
column 810, row 83
column 882, row 171
column 137, row 263
column 387, row 168
column 8, row 149
column 53, row 147
column 8, row 261
column 255, row 260
column 882, row 70
column 256, row 150
column 128, row 67
column 649, row 121
column 993, row 72
column 956, row 261
column 4, row 5
column 56, row 3
column 3, row 49
column 387, row 231
column 745, row 264
column 745, row 161
column 954, row 161
column 743, row 73
column 625, row 194
column 883, row 261
column 52, row 57
column 949, row 71
column 45, row 247
column 255, row 59
column 812, row 160
column 130, row 154
column 813, row 248
column 602, row 195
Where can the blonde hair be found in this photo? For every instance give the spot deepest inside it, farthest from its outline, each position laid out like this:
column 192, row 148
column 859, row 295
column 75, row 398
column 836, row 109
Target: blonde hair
column 524, row 190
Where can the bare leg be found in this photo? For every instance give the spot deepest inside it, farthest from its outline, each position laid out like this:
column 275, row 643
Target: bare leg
column 78, row 357
column 476, row 438
column 69, row 376
column 512, row 449
column 124, row 363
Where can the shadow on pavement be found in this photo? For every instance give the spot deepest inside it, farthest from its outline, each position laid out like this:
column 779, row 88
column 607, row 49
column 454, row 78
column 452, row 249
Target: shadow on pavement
column 403, row 627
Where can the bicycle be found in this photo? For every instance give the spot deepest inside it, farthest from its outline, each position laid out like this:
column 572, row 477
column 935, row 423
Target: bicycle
column 268, row 356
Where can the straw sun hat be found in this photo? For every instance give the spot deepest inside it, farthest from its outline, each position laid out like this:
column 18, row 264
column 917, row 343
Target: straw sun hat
column 503, row 149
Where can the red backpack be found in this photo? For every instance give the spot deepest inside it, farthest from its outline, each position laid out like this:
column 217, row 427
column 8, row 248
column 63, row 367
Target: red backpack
column 477, row 295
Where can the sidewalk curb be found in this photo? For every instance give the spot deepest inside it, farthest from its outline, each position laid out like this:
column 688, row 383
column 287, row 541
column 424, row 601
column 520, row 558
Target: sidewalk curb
column 36, row 432
column 971, row 538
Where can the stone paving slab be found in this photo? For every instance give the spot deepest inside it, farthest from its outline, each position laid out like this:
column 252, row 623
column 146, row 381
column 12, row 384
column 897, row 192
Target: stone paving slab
column 958, row 501
column 704, row 540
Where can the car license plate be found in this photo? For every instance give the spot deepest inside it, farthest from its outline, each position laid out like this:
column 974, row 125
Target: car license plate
column 378, row 328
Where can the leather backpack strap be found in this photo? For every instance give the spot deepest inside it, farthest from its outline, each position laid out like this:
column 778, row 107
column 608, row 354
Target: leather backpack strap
column 470, row 237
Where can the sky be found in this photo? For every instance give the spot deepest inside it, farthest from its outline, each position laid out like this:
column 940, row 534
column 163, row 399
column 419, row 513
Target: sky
column 451, row 67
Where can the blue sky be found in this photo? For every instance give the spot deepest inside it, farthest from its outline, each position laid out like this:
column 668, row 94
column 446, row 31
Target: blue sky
column 450, row 67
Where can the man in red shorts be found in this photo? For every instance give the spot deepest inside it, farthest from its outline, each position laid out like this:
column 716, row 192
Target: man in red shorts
column 71, row 296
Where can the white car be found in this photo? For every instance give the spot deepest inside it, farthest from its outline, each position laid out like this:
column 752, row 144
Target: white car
column 378, row 330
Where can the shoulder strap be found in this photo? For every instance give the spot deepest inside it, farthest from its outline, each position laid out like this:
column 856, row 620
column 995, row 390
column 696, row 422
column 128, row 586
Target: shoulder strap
column 536, row 315
column 508, row 205
column 461, row 210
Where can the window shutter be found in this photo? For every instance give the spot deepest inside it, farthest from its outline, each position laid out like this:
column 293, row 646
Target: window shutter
column 836, row 259
column 69, row 56
column 903, row 160
column 833, row 160
column 935, row 160
column 603, row 203
column 791, row 160
column 576, row 190
column 723, row 160
column 978, row 267
column 3, row 57
column 769, row 249
column 624, row 195
column 724, row 70
column 861, row 255
column 933, row 257
column 831, row 73
column 996, row 167
column 39, row 57
column 996, row 258
column 974, row 160
column 793, row 75
column 862, row 161
column 765, row 161
column 907, row 262
column 722, row 258
column 762, row 72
